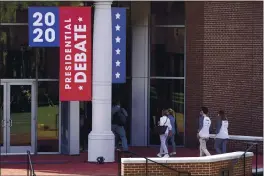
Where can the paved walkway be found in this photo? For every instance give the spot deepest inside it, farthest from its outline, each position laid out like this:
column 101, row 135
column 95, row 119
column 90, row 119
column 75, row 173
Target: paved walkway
column 77, row 165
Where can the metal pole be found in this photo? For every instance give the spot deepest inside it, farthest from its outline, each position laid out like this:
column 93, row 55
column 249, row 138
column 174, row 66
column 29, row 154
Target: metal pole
column 27, row 166
column 245, row 164
column 146, row 167
column 36, row 103
column 256, row 158
column 119, row 162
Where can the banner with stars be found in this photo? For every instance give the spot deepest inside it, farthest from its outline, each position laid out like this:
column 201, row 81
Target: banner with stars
column 118, row 45
column 75, row 54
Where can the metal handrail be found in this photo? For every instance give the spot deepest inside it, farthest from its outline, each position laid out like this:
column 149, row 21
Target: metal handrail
column 147, row 159
column 244, row 157
column 30, row 169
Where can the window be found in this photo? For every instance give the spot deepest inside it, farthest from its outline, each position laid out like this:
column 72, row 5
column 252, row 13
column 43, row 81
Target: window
column 167, row 65
column 167, row 52
column 17, row 12
column 166, row 93
column 168, row 13
column 18, row 60
column 123, row 93
column 48, row 117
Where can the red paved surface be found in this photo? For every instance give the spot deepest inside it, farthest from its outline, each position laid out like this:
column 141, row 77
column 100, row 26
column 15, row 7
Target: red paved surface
column 77, row 165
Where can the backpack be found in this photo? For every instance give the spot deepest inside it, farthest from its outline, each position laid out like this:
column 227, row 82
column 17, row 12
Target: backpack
column 120, row 118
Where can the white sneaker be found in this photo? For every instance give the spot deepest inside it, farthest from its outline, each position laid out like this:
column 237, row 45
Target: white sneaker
column 166, row 156
column 159, row 155
column 172, row 153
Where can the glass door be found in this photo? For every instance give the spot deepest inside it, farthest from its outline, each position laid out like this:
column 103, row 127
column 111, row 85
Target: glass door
column 17, row 117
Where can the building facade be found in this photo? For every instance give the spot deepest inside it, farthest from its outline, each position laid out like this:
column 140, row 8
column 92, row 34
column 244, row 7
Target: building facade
column 180, row 55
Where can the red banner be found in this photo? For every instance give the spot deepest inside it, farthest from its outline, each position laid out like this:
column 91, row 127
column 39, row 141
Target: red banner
column 75, row 54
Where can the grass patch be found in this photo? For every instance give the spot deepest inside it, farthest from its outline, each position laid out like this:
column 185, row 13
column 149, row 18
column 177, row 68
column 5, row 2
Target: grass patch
column 47, row 123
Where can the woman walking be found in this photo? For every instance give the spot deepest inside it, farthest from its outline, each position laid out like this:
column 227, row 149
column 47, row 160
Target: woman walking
column 164, row 121
column 221, row 133
column 171, row 139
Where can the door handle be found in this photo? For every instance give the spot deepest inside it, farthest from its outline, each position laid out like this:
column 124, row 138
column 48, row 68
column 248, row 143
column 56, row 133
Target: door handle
column 10, row 122
column 3, row 123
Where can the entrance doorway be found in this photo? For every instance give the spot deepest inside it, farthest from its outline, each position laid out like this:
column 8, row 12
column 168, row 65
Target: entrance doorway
column 17, row 132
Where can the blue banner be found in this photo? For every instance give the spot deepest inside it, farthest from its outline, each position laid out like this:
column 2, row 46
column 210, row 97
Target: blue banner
column 43, row 25
column 118, row 45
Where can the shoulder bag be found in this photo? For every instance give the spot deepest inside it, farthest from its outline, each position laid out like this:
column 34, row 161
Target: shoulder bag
column 161, row 129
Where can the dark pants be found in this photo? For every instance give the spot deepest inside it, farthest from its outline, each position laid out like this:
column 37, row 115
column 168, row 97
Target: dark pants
column 220, row 145
column 119, row 132
column 171, row 139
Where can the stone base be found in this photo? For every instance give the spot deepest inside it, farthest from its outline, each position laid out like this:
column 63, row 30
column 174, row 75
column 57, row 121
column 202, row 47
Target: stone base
column 101, row 144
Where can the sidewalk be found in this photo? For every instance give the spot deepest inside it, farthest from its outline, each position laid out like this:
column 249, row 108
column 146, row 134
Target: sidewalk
column 77, row 165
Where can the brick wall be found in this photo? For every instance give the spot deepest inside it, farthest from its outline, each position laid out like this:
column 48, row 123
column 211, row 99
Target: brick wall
column 232, row 65
column 195, row 169
column 194, row 67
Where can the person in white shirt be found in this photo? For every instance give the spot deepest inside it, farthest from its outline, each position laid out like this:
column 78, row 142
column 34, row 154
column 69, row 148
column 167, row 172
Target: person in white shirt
column 203, row 132
column 164, row 121
column 221, row 133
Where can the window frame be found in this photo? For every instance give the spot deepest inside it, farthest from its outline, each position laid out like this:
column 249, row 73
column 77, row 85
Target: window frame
column 165, row 78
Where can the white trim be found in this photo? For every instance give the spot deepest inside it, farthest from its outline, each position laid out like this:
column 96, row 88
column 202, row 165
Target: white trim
column 205, row 159
column 13, row 24
column 7, row 154
column 170, row 26
column 18, row 81
column 3, row 148
column 48, row 153
column 34, row 114
column 242, row 138
column 160, row 77
column 25, row 80
column 47, row 80
column 31, row 153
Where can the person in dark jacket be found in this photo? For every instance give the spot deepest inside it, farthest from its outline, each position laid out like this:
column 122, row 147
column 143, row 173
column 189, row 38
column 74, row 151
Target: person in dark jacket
column 117, row 129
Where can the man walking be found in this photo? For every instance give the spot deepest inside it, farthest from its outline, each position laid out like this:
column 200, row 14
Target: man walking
column 119, row 117
column 203, row 132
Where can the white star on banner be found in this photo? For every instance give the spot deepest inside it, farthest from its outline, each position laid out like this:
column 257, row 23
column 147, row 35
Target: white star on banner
column 117, row 15
column 117, row 27
column 80, row 19
column 80, row 87
column 118, row 51
column 118, row 63
column 117, row 75
column 117, row 39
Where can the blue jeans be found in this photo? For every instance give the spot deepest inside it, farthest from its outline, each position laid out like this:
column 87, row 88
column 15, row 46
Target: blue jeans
column 220, row 145
column 120, row 132
column 172, row 141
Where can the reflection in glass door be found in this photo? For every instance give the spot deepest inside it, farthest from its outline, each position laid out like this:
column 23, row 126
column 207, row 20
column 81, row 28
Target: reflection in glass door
column 20, row 116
